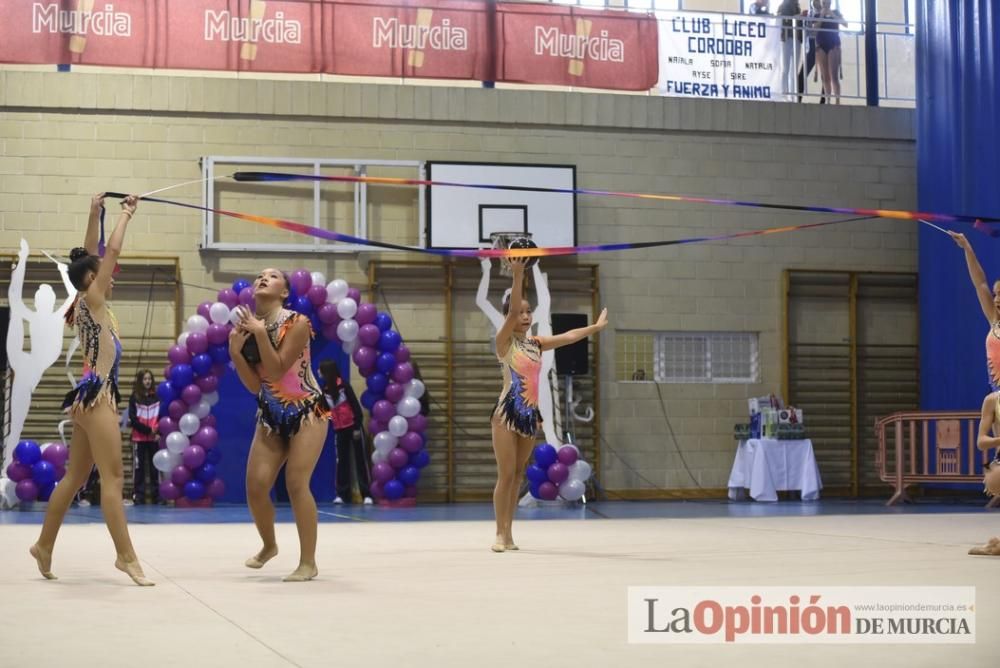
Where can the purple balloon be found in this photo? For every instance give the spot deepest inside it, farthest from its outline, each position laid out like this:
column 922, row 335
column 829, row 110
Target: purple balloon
column 167, row 425
column 411, row 441
column 191, row 394
column 410, row 492
column 403, row 373
column 383, row 410
column 203, row 310
column 219, row 369
column 402, row 354
column 301, row 281
column 166, row 371
column 394, row 392
column 60, row 473
column 366, row 370
column 178, row 355
column 18, row 472
column 558, row 472
column 317, row 295
column 206, row 437
column 193, row 456
column 398, row 458
column 27, row 490
column 208, row 383
column 364, row 356
column 328, row 314
column 417, row 423
column 376, row 427
column 368, row 335
column 330, row 330
column 180, row 475
column 169, row 491
column 197, row 343
column 376, row 489
column 383, row 472
column 209, row 421
column 567, row 455
column 177, row 409
column 246, row 298
column 366, row 314
column 229, row 298
column 547, row 491
column 354, row 294
column 56, row 454
column 216, row 488
column 217, row 335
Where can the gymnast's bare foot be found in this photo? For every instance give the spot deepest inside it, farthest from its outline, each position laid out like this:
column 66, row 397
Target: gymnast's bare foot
column 303, row 573
column 44, row 560
column 992, row 548
column 266, row 554
column 133, row 569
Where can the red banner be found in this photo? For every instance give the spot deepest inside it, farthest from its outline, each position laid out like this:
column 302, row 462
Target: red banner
column 566, row 46
column 440, row 39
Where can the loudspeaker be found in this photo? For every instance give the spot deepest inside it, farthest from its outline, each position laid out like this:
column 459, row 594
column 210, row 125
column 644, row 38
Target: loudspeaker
column 571, row 360
column 4, row 325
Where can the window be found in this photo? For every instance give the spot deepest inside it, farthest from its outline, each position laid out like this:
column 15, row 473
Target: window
column 854, row 14
column 706, row 357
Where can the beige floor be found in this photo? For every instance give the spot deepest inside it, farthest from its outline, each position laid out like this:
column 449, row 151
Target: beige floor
column 431, row 594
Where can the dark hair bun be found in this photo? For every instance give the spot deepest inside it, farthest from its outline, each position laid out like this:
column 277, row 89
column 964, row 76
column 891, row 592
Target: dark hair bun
column 77, row 253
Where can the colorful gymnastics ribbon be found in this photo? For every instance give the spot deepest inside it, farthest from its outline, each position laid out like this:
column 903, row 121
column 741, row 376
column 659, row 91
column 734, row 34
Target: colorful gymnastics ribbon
column 867, row 213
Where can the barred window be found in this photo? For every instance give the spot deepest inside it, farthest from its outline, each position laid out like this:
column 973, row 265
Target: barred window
column 706, row 357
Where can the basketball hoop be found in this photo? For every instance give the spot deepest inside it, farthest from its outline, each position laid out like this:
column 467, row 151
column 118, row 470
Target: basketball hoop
column 502, row 241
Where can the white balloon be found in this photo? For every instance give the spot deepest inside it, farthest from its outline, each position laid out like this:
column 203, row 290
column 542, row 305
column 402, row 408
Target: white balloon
column 385, row 442
column 415, row 388
column 196, row 323
column 219, row 313
column 350, row 346
column 580, row 470
column 379, row 457
column 346, row 308
column 188, row 424
column 8, row 493
column 212, row 398
column 201, row 410
column 347, row 330
column 408, row 407
column 572, row 490
column 336, row 290
column 182, row 340
column 318, row 278
column 176, row 441
column 398, row 426
column 166, row 461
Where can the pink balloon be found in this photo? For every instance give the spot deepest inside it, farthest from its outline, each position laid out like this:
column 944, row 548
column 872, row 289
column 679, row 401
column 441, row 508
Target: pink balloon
column 547, row 491
column 206, row 437
column 394, row 392
column 417, row 423
column 177, row 409
column 411, row 442
column 229, row 298
column 568, row 455
column 191, row 394
column 216, row 488
column 178, row 355
column 197, row 343
column 317, row 295
column 558, row 472
column 209, row 421
column 180, row 475
column 383, row 410
column 208, row 383
column 217, row 335
column 366, row 314
column 403, row 373
column 383, row 472
column 365, row 356
column 402, row 354
column 203, row 310
column 369, row 334
column 167, row 425
column 398, row 458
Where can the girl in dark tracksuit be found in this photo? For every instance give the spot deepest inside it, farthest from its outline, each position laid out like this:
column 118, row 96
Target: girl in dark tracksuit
column 346, row 416
column 144, row 417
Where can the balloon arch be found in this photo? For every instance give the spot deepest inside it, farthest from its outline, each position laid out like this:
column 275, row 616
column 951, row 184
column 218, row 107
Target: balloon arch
column 188, row 455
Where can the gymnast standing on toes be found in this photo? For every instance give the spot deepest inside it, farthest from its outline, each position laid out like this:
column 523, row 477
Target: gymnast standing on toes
column 989, row 424
column 93, row 402
column 516, row 417
column 271, row 353
column 989, row 301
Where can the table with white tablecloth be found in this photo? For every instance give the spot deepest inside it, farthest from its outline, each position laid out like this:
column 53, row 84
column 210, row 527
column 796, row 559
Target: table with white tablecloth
column 766, row 466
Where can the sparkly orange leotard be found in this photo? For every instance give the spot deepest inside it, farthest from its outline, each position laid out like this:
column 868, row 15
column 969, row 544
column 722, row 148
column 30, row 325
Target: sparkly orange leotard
column 295, row 398
column 993, row 356
column 517, row 408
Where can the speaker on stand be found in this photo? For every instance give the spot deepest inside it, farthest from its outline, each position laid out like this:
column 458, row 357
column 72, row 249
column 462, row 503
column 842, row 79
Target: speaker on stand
column 571, row 360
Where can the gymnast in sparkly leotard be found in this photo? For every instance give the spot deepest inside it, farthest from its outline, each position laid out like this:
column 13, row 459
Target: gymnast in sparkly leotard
column 270, row 351
column 516, row 417
column 93, row 403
